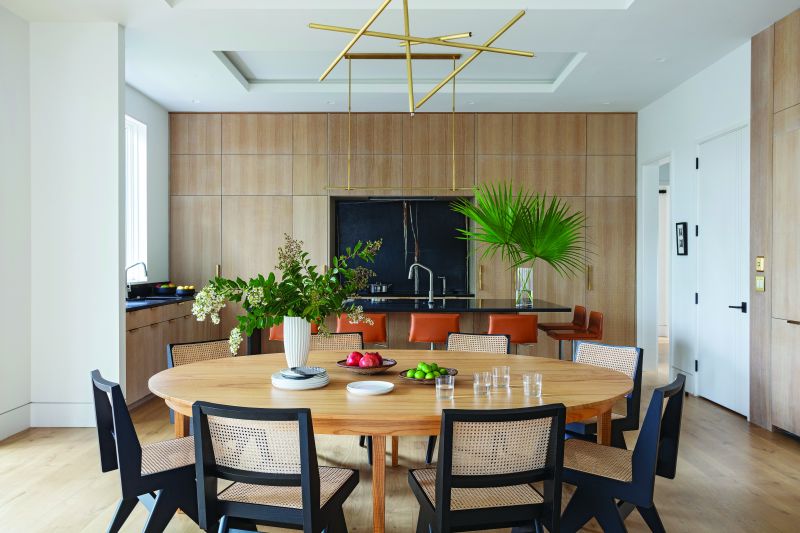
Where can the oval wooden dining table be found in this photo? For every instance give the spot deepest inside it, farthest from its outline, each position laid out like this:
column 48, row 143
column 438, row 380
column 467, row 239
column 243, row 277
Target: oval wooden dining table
column 410, row 409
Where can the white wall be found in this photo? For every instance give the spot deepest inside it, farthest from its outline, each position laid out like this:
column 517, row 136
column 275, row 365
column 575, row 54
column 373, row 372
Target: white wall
column 156, row 118
column 15, row 226
column 712, row 102
column 77, row 104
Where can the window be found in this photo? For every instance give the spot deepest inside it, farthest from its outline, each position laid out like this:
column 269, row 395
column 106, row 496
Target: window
column 135, row 197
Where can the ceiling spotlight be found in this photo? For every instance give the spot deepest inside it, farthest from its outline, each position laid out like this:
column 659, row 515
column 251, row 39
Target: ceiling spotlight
column 331, row 102
column 661, row 60
column 606, row 103
column 195, row 100
column 470, row 103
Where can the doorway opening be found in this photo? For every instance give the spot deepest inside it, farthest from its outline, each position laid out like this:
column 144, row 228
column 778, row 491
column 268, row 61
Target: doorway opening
column 663, row 278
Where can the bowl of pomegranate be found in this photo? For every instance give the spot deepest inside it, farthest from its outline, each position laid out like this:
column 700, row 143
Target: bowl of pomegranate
column 367, row 363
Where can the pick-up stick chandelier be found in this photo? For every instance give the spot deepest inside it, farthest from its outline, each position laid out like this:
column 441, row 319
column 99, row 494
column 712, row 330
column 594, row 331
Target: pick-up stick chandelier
column 407, row 41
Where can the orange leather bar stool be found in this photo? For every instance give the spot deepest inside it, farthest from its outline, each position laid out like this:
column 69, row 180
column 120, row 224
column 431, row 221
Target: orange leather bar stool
column 433, row 327
column 372, row 334
column 276, row 332
column 520, row 328
column 578, row 321
column 592, row 333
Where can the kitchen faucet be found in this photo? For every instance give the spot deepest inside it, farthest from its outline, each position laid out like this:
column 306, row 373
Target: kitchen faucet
column 144, row 266
column 411, row 272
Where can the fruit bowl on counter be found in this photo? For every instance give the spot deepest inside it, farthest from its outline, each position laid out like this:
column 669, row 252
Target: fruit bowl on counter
column 425, row 373
column 366, row 364
column 166, row 289
column 185, row 290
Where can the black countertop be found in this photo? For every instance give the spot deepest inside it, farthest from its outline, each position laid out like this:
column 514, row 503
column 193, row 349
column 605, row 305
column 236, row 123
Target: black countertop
column 154, row 301
column 460, row 305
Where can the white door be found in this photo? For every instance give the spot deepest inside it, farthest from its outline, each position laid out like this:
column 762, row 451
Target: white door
column 723, row 250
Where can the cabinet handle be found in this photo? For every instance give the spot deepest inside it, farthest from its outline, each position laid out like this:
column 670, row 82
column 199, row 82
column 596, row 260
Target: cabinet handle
column 480, row 277
column 589, row 278
column 793, row 322
column 217, row 270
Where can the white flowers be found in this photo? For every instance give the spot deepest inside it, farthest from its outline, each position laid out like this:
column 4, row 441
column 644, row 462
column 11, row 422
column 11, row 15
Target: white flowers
column 209, row 302
column 356, row 316
column 254, row 296
column 234, row 340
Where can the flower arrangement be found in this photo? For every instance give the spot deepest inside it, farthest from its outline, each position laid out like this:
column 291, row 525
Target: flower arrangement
column 304, row 291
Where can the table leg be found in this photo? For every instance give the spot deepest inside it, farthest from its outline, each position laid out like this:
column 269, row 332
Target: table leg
column 604, row 428
column 378, row 483
column 181, row 425
column 395, row 450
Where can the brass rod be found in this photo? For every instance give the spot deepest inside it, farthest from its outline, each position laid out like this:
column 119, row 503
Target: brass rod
column 379, row 55
column 453, row 37
column 389, row 188
column 471, row 58
column 454, row 127
column 349, row 114
column 356, row 37
column 409, row 75
column 423, row 40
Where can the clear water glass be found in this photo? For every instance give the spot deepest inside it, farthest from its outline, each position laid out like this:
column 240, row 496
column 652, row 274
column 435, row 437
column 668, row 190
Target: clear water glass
column 501, row 377
column 481, row 383
column 445, row 387
column 532, row 384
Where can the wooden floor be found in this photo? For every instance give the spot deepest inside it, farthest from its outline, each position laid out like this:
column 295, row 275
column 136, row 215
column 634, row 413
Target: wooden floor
column 731, row 477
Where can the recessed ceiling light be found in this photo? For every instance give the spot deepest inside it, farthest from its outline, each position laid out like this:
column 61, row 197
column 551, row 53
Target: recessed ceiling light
column 331, row 102
column 661, row 60
column 470, row 103
column 195, row 100
column 606, row 103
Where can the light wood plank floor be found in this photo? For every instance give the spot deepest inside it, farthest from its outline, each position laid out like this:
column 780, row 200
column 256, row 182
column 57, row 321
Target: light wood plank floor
column 731, row 477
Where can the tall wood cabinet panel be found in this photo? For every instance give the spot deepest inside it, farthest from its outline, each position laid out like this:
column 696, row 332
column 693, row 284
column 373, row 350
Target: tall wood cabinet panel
column 309, row 174
column 785, row 376
column 432, row 134
column 787, row 62
column 256, row 175
column 194, row 238
column 549, row 134
column 311, row 224
column 257, row 133
column 370, row 133
column 194, row 174
column 611, row 175
column 611, row 134
column 423, row 171
column 494, row 133
column 785, row 215
column 310, row 134
column 611, row 232
column 494, row 169
column 551, row 175
column 382, row 173
column 195, row 133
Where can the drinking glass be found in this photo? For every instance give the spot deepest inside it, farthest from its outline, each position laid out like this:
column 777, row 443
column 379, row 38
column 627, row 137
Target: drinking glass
column 532, row 384
column 501, row 377
column 445, row 386
column 481, row 382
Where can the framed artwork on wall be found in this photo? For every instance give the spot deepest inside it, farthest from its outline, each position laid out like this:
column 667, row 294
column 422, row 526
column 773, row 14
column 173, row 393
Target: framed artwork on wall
column 681, row 235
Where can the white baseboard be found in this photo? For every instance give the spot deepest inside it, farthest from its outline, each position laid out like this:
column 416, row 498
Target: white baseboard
column 15, row 420
column 61, row 415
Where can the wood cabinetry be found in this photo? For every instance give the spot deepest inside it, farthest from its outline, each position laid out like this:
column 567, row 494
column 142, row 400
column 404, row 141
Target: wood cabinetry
column 195, row 238
column 786, row 375
column 149, row 331
column 785, row 215
column 787, row 62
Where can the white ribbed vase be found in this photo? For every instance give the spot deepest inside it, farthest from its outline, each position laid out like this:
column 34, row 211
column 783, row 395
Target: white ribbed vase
column 296, row 340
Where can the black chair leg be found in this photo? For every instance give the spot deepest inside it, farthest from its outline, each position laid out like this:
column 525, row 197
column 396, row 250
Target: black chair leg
column 122, row 513
column 618, row 440
column 625, row 508
column 362, row 440
column 166, row 506
column 336, row 522
column 431, row 448
column 223, row 525
column 369, row 450
column 651, row 518
column 423, row 522
column 579, row 510
column 608, row 516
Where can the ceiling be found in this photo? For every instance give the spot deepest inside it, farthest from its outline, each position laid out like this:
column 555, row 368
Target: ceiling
column 260, row 55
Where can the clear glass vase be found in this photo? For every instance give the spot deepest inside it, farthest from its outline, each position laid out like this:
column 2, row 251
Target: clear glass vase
column 524, row 287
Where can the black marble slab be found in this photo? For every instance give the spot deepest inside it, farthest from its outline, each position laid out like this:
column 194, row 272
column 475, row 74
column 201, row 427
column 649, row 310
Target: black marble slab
column 460, row 305
column 147, row 302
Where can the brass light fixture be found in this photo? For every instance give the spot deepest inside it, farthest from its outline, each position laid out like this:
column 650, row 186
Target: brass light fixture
column 407, row 40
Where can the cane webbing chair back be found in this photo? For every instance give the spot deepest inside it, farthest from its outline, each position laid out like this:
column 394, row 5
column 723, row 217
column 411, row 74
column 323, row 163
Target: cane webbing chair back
column 179, row 354
column 620, row 358
column 337, row 341
column 264, row 446
column 475, row 342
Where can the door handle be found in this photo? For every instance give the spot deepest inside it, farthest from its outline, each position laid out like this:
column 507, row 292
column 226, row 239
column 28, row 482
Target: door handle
column 743, row 307
column 793, row 322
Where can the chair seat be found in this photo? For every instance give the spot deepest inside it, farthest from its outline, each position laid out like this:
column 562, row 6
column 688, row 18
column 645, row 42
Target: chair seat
column 598, row 460
column 167, row 455
column 482, row 498
column 550, row 326
column 330, row 481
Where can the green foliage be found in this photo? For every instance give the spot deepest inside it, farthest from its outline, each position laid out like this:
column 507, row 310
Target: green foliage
column 523, row 227
column 304, row 290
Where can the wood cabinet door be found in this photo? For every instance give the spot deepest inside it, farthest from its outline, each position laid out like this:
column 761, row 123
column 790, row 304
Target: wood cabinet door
column 785, row 215
column 787, row 62
column 194, row 238
column 611, row 258
column 785, row 375
column 494, row 278
column 145, row 355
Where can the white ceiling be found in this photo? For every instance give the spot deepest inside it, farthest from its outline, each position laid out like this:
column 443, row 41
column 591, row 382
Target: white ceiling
column 592, row 55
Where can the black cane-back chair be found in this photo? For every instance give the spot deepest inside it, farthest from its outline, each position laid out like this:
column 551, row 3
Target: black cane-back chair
column 159, row 475
column 488, row 462
column 270, row 456
column 612, row 482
